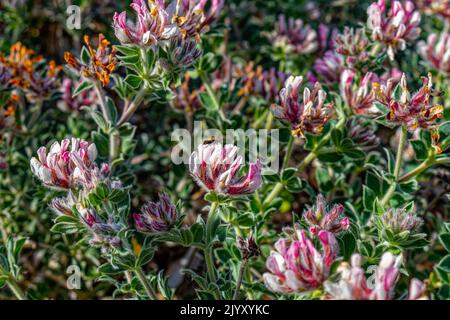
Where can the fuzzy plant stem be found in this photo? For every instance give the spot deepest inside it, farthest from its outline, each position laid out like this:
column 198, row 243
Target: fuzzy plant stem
column 212, row 95
column 279, row 186
column 128, row 113
column 144, row 281
column 422, row 167
column 398, row 165
column 134, row 105
column 209, row 260
column 313, row 154
column 288, row 152
column 273, row 194
column 12, row 284
column 102, row 101
column 239, row 279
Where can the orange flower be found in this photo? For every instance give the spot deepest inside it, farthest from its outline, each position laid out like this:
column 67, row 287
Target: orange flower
column 103, row 61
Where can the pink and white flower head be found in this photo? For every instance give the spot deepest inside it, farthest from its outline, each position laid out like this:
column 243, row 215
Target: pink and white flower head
column 151, row 26
column 353, row 284
column 353, row 44
column 156, row 217
column 411, row 110
column 62, row 166
column 436, row 51
column 359, row 97
column 69, row 103
column 319, row 217
column 395, row 28
column 329, row 68
column 192, row 17
column 294, row 36
column 296, row 266
column 216, row 168
column 305, row 112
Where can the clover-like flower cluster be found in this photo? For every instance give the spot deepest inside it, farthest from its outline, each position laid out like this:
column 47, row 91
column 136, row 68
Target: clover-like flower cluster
column 102, row 61
column 294, row 36
column 305, row 113
column 157, row 23
column 358, row 96
column 296, row 266
column 436, row 51
column 69, row 103
column 319, row 217
column 353, row 44
column 413, row 111
column 217, row 168
column 156, row 217
column 353, row 284
column 393, row 28
column 25, row 70
column 64, row 167
column 399, row 220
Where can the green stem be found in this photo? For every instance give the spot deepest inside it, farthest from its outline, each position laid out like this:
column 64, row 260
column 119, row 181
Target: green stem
column 269, row 121
column 12, row 284
column 239, row 279
column 144, row 281
column 139, row 97
column 101, row 99
column 210, row 267
column 313, row 154
column 209, row 90
column 273, row 194
column 288, row 152
column 398, row 165
column 422, row 167
column 133, row 106
column 114, row 144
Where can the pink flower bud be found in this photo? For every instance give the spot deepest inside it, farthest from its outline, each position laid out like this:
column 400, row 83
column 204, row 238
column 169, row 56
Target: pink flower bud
column 319, row 217
column 156, row 217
